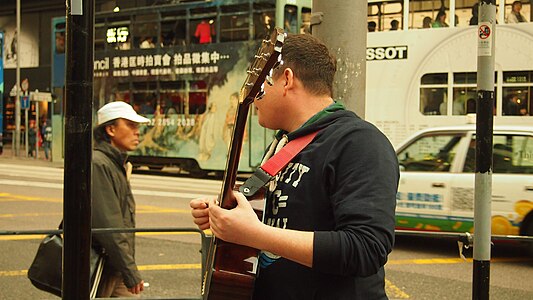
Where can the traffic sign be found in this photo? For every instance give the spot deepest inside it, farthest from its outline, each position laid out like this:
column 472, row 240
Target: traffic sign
column 24, row 102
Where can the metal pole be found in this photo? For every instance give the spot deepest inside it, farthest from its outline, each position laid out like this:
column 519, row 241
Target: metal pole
column 16, row 139
column 78, row 147
column 342, row 25
column 484, row 130
column 37, row 129
column 26, row 129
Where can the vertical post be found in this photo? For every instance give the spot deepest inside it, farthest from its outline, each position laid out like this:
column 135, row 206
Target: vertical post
column 78, row 147
column 37, row 129
column 342, row 25
column 484, row 130
column 16, row 139
column 26, row 131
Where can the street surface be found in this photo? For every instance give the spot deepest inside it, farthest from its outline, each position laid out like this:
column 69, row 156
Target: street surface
column 31, row 198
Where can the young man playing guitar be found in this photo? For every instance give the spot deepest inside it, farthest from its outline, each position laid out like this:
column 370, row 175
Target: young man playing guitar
column 329, row 217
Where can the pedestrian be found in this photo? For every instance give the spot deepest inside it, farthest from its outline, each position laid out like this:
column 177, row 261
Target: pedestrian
column 113, row 204
column 329, row 217
column 32, row 139
column 47, row 139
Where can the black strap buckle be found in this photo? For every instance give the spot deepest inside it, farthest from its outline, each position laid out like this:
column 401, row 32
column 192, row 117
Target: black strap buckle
column 255, row 182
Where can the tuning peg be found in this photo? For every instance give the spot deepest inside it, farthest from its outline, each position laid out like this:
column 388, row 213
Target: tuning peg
column 269, row 80
column 260, row 94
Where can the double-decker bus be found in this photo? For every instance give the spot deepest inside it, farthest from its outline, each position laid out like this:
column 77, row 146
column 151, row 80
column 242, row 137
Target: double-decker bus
column 423, row 75
column 420, row 76
column 182, row 66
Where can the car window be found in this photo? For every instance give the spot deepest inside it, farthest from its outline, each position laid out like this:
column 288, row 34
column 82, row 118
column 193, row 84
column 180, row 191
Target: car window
column 430, row 153
column 512, row 154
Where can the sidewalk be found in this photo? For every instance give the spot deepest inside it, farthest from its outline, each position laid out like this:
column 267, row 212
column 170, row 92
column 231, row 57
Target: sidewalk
column 8, row 157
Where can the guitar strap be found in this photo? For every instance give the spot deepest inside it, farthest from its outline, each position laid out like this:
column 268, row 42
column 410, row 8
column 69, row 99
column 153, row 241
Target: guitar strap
column 276, row 163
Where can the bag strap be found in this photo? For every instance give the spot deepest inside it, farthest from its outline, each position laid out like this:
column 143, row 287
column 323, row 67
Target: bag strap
column 276, row 163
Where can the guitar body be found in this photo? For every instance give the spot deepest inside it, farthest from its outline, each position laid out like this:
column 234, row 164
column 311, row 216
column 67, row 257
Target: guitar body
column 235, row 267
column 231, row 269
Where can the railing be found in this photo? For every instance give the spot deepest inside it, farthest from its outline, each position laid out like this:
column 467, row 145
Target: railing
column 205, row 241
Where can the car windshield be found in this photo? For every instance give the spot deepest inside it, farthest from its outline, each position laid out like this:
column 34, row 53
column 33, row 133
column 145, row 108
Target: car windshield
column 434, row 152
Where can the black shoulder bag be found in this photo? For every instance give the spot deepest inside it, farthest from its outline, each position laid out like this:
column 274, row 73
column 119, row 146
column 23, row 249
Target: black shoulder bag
column 45, row 273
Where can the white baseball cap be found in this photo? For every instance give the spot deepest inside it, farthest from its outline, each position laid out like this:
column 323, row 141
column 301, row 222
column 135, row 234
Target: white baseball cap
column 119, row 109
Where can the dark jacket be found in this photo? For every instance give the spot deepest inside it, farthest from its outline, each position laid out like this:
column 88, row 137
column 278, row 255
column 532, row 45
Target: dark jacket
column 342, row 186
column 114, row 207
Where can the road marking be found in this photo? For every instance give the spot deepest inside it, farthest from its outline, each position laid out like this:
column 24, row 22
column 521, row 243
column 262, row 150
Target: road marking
column 394, row 291
column 163, row 267
column 51, row 185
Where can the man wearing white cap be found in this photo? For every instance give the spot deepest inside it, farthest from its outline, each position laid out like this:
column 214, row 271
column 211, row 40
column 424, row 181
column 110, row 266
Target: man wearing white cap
column 113, row 205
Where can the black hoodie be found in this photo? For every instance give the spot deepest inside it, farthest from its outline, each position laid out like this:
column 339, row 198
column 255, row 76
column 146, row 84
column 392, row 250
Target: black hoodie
column 342, row 186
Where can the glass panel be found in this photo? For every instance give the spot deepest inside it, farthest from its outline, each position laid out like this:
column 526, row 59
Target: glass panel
column 263, row 24
column 306, row 21
column 290, row 19
column 173, row 33
column 234, row 28
column 516, row 11
column 433, row 101
column 428, row 13
column 464, row 100
column 145, row 34
column 433, row 153
column 436, row 78
column 512, row 154
column 516, row 101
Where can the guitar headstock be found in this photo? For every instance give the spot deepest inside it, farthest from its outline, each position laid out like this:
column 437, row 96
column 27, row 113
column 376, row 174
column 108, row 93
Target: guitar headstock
column 267, row 58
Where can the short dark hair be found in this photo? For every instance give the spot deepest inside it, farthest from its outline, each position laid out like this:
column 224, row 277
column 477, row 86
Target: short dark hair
column 311, row 62
column 100, row 134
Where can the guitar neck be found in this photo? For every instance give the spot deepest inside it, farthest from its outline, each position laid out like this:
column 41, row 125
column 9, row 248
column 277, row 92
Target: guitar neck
column 226, row 199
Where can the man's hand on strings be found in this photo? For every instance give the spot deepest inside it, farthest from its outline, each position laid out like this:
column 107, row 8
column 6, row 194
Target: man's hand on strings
column 238, row 225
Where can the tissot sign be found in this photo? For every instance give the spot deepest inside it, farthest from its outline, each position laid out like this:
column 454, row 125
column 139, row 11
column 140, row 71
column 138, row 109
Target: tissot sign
column 386, row 53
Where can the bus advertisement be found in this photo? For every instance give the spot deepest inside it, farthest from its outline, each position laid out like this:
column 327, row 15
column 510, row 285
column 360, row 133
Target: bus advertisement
column 182, row 66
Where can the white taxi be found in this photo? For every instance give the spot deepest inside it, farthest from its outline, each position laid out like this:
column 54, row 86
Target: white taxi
column 436, row 191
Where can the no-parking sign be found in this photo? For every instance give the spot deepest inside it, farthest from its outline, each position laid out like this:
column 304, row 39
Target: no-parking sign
column 485, row 38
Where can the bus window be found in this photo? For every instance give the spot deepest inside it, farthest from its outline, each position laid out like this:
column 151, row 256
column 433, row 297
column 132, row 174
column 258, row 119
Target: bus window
column 430, row 153
column 234, row 24
column 145, row 31
column 290, row 19
column 429, row 13
column 385, row 16
column 517, row 11
column 173, row 33
column 305, row 28
column 60, row 38
column 433, row 94
column 464, row 93
column 516, row 96
column 264, row 24
column 197, row 97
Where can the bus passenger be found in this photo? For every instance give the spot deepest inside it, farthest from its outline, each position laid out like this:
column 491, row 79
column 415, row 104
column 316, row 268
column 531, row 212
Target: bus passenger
column 426, row 22
column 113, row 204
column 475, row 14
column 203, row 32
column 440, row 20
column 329, row 217
column 515, row 16
column 372, row 26
column 394, row 25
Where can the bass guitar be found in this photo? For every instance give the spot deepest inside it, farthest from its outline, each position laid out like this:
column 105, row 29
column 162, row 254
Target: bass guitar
column 231, row 269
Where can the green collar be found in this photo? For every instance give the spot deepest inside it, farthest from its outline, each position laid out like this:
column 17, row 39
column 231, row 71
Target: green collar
column 335, row 106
